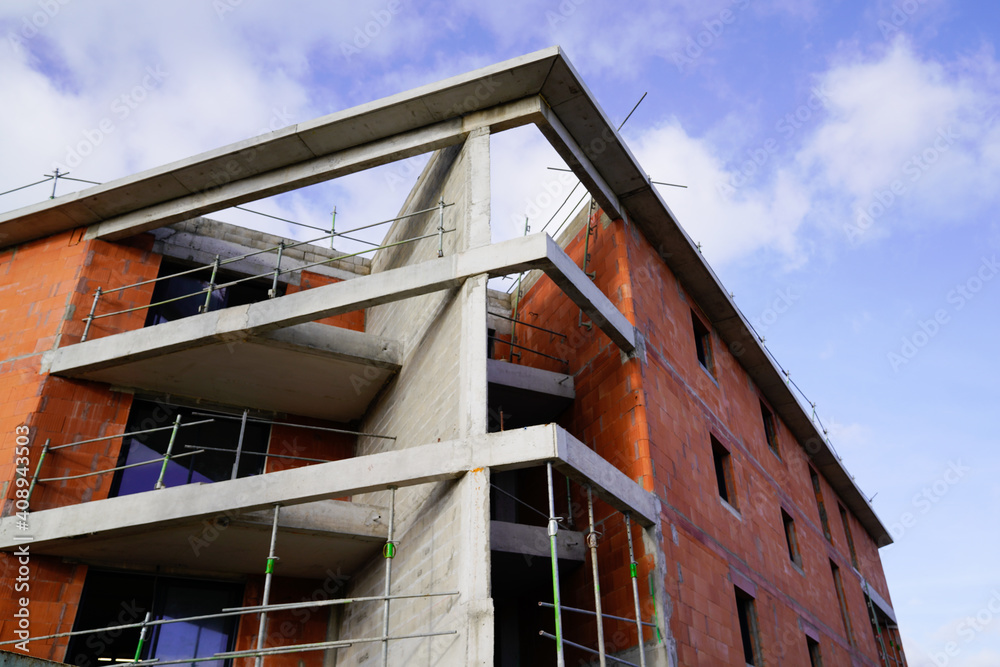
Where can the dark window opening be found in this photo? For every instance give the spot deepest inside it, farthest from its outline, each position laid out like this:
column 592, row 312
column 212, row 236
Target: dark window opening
column 119, row 598
column 845, row 615
column 815, row 657
column 770, row 428
column 850, row 537
column 819, row 504
column 723, row 472
column 790, row 539
column 207, row 466
column 177, row 287
column 491, row 336
column 749, row 633
column 703, row 342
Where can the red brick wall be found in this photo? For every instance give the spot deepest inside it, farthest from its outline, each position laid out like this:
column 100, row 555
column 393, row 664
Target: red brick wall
column 353, row 320
column 46, row 287
column 653, row 421
column 295, row 626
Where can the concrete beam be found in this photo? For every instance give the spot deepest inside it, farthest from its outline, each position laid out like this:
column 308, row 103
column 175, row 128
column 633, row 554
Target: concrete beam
column 311, row 171
column 518, row 538
column 365, row 474
column 240, row 322
column 531, row 379
column 574, row 157
column 581, row 290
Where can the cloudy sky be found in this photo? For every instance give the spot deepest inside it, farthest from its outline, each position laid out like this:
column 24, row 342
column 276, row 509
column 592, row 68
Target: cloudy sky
column 842, row 161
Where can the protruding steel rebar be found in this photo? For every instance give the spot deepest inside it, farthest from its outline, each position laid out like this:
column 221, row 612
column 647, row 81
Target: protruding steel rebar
column 554, row 549
column 634, row 571
column 272, row 557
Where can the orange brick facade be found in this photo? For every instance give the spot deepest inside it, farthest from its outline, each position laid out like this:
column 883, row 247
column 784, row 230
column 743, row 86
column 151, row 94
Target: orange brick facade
column 46, row 290
column 653, row 418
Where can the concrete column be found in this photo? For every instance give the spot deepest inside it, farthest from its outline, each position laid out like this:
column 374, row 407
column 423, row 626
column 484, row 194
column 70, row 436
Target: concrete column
column 477, row 147
column 474, row 581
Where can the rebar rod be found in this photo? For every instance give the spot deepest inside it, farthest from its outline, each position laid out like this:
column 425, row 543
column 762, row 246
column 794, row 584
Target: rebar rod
column 170, row 450
column 305, row 426
column 265, row 454
column 634, row 572
column 591, row 613
column 116, row 468
column 440, row 229
column 389, row 552
column 90, row 317
column 239, row 445
column 297, row 648
column 525, row 324
column 211, row 286
column 522, row 347
column 587, row 649
column 233, row 611
column 268, row 575
column 38, row 469
column 130, row 433
column 142, row 637
column 277, row 271
column 592, row 544
column 553, row 530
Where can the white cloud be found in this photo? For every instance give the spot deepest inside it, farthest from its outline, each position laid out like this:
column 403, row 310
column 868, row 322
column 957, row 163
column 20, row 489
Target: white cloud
column 728, row 223
column 904, row 140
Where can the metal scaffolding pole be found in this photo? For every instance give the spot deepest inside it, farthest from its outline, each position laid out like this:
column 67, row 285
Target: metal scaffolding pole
column 170, row 450
column 634, row 571
column 268, row 575
column 592, row 544
column 554, row 549
column 239, row 445
column 389, row 552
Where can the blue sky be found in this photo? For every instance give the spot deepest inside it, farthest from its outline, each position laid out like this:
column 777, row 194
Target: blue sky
column 841, row 160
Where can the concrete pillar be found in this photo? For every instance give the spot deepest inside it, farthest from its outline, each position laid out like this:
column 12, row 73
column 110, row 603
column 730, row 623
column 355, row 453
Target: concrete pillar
column 474, row 582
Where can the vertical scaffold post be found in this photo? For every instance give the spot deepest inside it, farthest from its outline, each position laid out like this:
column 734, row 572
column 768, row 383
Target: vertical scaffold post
column 554, row 549
column 389, row 552
column 273, row 292
column 142, row 636
column 90, row 317
column 211, row 286
column 239, row 446
column 170, row 449
column 592, row 543
column 55, row 182
column 634, row 571
column 333, row 226
column 441, row 228
column 38, row 469
column 265, row 599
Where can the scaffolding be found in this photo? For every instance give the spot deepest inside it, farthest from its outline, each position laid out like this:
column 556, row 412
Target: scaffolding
column 262, row 610
column 169, row 456
column 273, row 274
column 592, row 540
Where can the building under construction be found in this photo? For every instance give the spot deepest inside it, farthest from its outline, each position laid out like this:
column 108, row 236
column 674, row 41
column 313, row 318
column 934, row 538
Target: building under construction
column 224, row 445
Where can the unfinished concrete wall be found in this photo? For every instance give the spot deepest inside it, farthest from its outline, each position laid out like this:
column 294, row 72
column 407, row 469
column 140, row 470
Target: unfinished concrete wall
column 436, row 396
